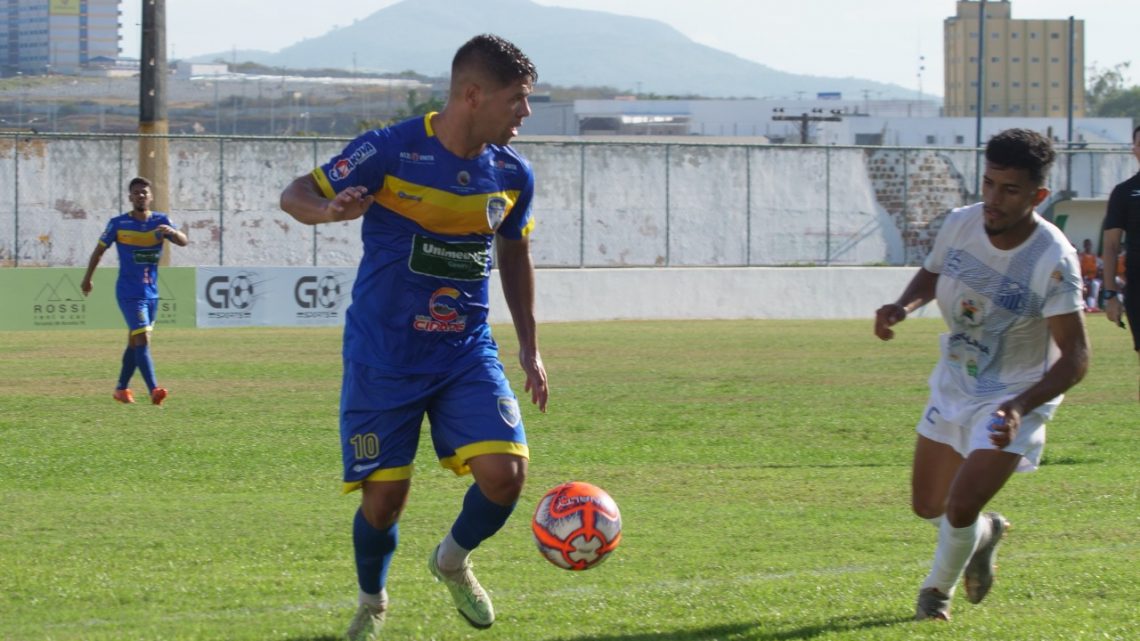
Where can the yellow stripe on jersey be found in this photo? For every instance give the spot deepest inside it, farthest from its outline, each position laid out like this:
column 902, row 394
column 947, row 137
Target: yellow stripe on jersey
column 439, row 211
column 138, row 238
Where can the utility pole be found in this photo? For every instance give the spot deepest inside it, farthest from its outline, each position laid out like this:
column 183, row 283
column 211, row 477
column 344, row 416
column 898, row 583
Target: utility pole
column 154, row 152
column 805, row 119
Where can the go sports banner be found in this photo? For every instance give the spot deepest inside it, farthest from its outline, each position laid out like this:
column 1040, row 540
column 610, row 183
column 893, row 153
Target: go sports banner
column 273, row 296
column 51, row 298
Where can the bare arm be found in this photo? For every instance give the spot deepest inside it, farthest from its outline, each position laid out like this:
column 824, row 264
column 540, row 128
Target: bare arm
column 92, row 263
column 516, row 272
column 304, row 201
column 1111, row 242
column 1068, row 330
column 173, row 235
column 918, row 292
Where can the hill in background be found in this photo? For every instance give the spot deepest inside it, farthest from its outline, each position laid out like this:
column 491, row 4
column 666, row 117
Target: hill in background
column 570, row 47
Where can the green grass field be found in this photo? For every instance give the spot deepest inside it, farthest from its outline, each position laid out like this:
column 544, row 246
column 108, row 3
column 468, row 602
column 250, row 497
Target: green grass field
column 762, row 469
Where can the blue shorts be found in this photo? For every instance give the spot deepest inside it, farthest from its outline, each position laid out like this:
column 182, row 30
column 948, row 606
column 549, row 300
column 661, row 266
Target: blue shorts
column 472, row 411
column 139, row 312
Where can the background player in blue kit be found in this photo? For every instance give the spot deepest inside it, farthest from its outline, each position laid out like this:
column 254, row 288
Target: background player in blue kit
column 139, row 235
column 433, row 193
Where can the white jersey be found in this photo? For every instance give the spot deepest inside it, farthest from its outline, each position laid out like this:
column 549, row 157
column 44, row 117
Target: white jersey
column 995, row 303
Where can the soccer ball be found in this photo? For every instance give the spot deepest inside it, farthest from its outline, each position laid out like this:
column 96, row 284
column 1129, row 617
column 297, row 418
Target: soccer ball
column 576, row 525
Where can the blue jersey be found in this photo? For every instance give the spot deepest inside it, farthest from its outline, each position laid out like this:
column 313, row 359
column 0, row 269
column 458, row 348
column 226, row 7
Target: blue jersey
column 419, row 304
column 140, row 248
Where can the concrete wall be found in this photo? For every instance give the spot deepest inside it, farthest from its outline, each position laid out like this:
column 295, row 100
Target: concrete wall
column 597, row 204
column 704, row 293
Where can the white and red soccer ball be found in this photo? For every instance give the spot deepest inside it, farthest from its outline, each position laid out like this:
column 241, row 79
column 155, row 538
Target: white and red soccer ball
column 576, row 525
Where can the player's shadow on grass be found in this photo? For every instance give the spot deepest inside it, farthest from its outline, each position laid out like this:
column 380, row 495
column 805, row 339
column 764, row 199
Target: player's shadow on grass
column 751, row 631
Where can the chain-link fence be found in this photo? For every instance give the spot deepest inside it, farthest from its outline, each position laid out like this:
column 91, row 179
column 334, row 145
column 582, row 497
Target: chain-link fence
column 597, row 203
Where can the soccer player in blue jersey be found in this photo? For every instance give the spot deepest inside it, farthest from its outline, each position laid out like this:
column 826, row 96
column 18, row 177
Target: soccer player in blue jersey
column 433, row 192
column 1008, row 285
column 139, row 236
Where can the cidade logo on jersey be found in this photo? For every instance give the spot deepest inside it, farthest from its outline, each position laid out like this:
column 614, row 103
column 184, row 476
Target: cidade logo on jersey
column 443, row 316
column 343, row 167
column 496, row 211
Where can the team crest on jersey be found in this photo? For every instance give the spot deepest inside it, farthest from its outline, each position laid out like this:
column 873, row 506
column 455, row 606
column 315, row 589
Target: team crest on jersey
column 496, row 211
column 343, row 167
column 971, row 311
column 509, row 410
column 463, row 178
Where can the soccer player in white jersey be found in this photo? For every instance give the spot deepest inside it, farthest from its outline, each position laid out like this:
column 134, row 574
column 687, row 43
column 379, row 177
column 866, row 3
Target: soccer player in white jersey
column 1008, row 285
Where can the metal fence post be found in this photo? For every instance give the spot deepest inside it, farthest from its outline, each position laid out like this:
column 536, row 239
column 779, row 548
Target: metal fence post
column 581, row 205
column 667, row 203
column 16, row 204
column 905, row 211
column 747, row 206
column 315, row 163
column 122, row 178
column 827, row 203
column 221, row 200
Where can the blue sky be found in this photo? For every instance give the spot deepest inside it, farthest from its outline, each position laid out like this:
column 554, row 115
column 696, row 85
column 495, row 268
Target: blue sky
column 817, row 37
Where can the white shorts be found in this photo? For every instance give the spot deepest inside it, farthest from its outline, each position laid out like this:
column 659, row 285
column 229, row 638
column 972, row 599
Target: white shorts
column 970, row 431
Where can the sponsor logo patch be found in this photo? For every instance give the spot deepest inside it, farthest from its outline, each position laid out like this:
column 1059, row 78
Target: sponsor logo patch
column 454, row 261
column 343, row 167
column 443, row 315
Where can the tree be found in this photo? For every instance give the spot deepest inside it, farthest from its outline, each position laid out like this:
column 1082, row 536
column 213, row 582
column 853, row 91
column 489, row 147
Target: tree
column 412, row 109
column 1108, row 95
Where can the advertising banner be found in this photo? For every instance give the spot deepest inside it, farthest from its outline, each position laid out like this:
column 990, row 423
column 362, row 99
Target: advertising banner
column 273, row 296
column 50, row 298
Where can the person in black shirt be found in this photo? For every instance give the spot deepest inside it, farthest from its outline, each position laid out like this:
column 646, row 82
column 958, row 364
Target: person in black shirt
column 1122, row 219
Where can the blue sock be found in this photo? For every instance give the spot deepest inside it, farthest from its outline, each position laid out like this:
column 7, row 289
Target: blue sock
column 374, row 549
column 479, row 519
column 128, row 370
column 146, row 365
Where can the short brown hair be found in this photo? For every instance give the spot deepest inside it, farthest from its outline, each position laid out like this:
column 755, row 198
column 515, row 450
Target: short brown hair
column 495, row 56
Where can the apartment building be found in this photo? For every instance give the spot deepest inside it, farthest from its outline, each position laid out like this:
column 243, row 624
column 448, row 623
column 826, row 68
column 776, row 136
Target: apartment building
column 57, row 36
column 1028, row 65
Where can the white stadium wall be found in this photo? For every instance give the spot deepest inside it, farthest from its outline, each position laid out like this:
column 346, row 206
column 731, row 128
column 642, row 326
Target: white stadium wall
column 743, row 230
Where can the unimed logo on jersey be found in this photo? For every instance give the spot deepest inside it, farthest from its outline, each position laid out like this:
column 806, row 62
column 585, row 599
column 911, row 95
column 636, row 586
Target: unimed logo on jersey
column 319, row 296
column 232, row 297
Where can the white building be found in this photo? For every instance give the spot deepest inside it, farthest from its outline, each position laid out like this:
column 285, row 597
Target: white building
column 908, row 123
